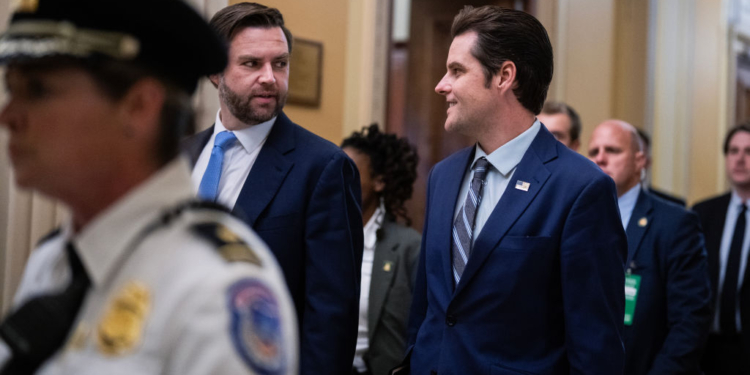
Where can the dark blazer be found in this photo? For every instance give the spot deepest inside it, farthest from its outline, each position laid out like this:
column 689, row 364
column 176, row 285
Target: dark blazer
column 667, row 196
column 543, row 290
column 673, row 307
column 302, row 197
column 394, row 270
column 712, row 213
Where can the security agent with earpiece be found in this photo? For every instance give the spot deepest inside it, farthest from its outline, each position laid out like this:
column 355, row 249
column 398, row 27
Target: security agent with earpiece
column 142, row 278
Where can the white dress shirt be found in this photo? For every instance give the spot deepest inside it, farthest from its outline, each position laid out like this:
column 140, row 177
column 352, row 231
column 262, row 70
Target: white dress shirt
column 368, row 255
column 726, row 241
column 186, row 327
column 627, row 204
column 503, row 162
column 238, row 159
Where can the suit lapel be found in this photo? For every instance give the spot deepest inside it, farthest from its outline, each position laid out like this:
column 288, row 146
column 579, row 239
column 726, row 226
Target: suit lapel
column 639, row 223
column 193, row 145
column 446, row 197
column 513, row 202
column 268, row 172
column 384, row 266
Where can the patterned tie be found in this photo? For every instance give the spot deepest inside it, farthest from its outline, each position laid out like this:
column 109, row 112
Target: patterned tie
column 463, row 226
column 209, row 188
column 728, row 309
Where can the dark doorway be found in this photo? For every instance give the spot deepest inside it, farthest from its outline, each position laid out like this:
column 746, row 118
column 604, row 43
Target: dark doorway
column 416, row 66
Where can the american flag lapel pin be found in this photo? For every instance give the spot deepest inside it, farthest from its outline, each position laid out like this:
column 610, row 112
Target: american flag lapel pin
column 522, row 185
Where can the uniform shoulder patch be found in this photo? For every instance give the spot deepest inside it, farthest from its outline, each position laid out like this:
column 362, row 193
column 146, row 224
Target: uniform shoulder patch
column 229, row 245
column 256, row 327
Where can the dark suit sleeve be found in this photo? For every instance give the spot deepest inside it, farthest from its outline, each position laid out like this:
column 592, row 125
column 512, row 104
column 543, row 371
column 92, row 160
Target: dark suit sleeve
column 592, row 257
column 412, row 259
column 419, row 300
column 688, row 300
column 333, row 259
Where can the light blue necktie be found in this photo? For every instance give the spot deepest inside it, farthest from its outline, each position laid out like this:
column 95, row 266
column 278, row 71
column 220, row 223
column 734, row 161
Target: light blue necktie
column 463, row 226
column 209, row 188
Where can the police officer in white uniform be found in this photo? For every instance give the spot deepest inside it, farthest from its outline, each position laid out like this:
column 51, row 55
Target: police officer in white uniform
column 141, row 279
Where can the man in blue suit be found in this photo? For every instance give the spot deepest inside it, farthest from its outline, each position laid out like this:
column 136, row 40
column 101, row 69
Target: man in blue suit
column 668, row 290
column 299, row 192
column 522, row 263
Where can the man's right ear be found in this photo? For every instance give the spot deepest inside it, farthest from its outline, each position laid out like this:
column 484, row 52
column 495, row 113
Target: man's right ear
column 214, row 78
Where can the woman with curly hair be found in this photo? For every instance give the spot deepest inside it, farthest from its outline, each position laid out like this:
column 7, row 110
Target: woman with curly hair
column 387, row 167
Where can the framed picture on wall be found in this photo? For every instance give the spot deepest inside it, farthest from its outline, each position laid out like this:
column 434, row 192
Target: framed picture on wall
column 306, row 73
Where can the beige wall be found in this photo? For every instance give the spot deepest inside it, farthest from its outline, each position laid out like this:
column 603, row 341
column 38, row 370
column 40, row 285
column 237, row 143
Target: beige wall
column 663, row 65
column 710, row 100
column 323, row 21
column 691, row 101
column 583, row 37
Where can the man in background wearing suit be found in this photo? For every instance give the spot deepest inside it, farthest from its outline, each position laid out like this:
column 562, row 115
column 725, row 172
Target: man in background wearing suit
column 522, row 261
column 299, row 192
column 563, row 122
column 725, row 224
column 667, row 298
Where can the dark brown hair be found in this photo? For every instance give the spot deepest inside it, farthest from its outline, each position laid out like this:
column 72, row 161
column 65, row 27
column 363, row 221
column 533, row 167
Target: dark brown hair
column 510, row 35
column 392, row 158
column 232, row 19
column 554, row 108
column 743, row 127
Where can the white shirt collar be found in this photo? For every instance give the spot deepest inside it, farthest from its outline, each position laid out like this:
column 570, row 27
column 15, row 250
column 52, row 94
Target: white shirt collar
column 507, row 156
column 372, row 226
column 736, row 201
column 103, row 241
column 250, row 137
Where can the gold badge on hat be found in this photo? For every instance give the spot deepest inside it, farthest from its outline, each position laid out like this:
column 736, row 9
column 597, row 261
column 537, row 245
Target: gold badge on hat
column 643, row 222
column 122, row 326
column 25, row 6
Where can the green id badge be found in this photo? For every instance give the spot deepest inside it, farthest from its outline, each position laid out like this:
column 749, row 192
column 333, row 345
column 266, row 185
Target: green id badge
column 632, row 283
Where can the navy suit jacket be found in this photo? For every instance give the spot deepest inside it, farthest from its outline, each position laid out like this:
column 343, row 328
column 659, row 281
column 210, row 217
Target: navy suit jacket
column 673, row 308
column 543, row 290
column 303, row 197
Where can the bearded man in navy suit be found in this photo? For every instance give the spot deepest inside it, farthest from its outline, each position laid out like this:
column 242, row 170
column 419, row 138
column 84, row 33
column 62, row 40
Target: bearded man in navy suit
column 299, row 192
column 522, row 262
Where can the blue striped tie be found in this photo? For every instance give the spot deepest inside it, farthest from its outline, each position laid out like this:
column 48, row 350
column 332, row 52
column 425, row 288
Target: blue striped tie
column 209, row 187
column 463, row 226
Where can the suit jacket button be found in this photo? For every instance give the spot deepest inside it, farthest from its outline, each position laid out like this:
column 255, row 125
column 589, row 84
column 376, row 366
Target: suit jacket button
column 450, row 320
column 433, row 372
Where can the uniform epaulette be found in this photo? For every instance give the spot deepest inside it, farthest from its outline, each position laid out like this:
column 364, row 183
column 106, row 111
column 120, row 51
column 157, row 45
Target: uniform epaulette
column 230, row 245
column 48, row 236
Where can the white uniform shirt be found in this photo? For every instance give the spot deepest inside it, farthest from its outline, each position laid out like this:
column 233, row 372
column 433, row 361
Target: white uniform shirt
column 503, row 162
column 191, row 322
column 368, row 256
column 238, row 159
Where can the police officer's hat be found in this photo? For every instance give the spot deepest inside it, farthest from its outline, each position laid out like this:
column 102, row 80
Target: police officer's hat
column 167, row 36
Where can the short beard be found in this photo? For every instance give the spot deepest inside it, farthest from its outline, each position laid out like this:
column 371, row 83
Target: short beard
column 242, row 109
